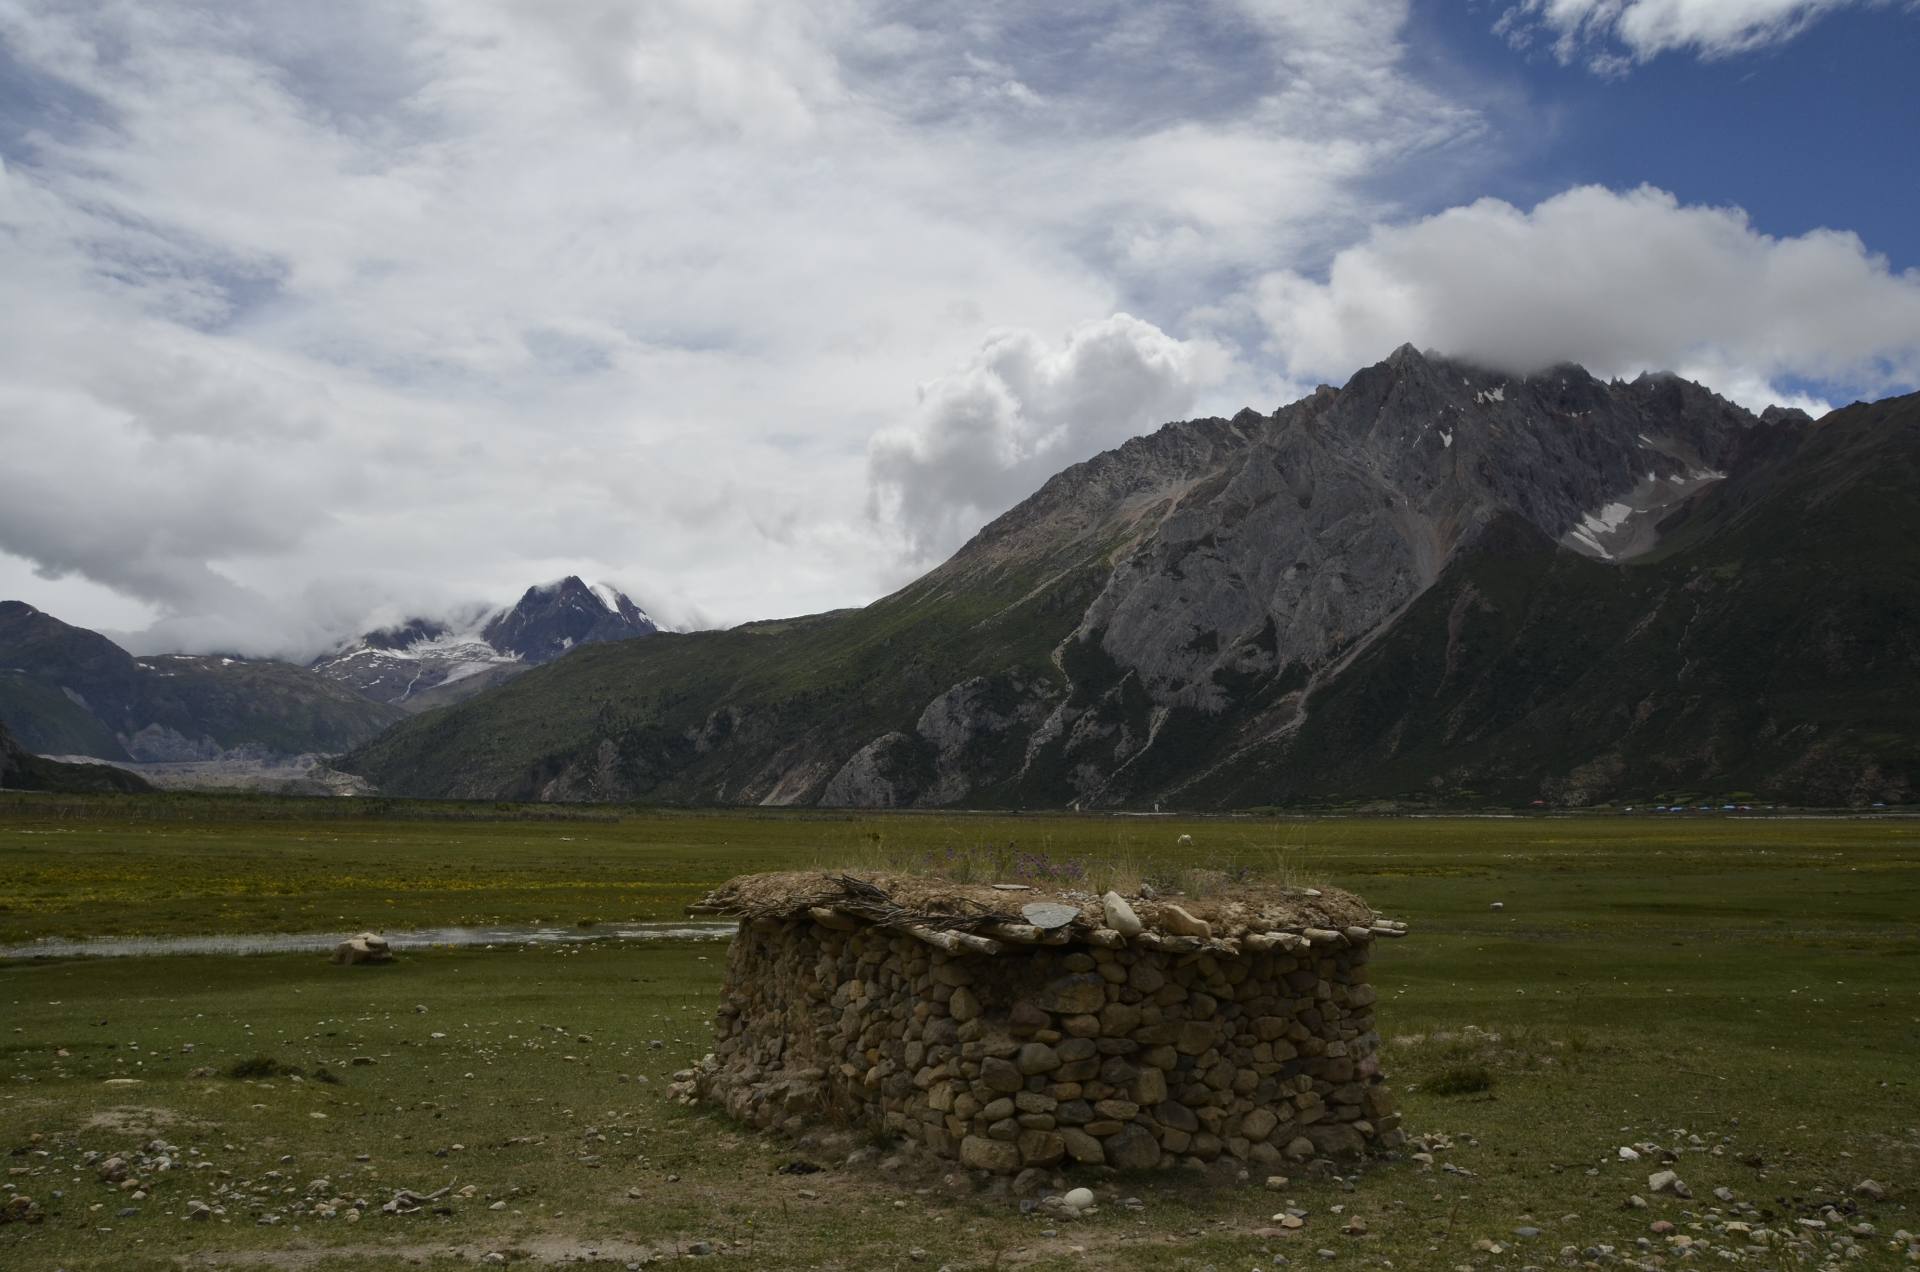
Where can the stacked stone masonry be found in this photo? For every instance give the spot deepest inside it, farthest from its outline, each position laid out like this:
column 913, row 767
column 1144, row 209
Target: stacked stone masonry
column 1128, row 1057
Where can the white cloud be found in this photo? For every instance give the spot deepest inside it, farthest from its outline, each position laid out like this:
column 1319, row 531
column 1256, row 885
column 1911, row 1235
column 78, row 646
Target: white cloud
column 990, row 432
column 310, row 309
column 1599, row 29
column 1619, row 282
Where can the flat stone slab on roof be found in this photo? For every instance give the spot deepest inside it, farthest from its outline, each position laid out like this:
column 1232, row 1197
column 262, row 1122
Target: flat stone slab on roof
column 986, row 918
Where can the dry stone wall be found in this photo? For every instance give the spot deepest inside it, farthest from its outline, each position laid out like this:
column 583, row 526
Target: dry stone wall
column 1129, row 1057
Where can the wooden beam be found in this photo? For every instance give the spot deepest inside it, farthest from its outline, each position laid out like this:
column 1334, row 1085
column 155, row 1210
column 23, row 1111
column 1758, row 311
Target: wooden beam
column 956, row 942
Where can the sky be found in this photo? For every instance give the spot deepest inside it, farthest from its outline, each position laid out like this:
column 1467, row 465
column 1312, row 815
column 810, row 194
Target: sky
column 314, row 317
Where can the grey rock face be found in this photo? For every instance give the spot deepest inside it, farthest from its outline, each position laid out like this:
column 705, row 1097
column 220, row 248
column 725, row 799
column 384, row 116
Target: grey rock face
column 1345, row 505
column 157, row 743
column 878, row 775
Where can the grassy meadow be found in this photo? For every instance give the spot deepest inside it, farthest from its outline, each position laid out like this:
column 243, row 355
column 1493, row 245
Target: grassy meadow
column 1741, row 992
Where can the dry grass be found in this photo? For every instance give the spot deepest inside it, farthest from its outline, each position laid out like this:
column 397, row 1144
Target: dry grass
column 1133, row 864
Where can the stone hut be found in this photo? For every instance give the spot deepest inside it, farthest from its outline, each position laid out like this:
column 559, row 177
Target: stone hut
column 1010, row 1027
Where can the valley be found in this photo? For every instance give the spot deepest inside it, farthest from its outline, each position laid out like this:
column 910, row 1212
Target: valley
column 1437, row 586
column 1645, row 982
column 1202, row 636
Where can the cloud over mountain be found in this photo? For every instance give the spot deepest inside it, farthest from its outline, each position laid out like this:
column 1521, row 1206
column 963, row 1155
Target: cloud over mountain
column 313, row 309
column 1617, row 281
column 306, row 305
column 1019, row 410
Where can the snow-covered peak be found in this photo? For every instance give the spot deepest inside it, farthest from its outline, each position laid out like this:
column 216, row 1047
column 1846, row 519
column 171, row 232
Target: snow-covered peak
column 397, row 662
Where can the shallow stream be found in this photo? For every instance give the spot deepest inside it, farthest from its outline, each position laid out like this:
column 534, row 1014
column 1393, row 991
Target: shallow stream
column 321, row 942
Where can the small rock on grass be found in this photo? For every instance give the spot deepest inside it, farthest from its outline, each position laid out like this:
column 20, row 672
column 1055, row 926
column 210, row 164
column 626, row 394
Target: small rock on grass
column 1666, row 1181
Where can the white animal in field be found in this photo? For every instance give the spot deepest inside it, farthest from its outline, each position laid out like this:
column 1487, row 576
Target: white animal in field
column 1185, row 841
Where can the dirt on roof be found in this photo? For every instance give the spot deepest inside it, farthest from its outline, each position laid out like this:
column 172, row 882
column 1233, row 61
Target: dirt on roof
column 896, row 900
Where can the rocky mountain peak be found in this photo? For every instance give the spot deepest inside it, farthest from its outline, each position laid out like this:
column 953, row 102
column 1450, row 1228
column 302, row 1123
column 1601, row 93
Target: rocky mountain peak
column 552, row 618
column 1292, row 540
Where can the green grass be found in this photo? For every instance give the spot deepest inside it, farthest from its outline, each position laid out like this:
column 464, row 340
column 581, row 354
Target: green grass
column 185, row 864
column 1752, row 983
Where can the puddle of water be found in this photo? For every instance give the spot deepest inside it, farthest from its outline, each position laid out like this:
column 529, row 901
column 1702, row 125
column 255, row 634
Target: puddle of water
column 312, row 942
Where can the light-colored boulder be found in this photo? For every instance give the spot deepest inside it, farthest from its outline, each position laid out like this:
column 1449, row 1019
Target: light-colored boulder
column 367, row 947
column 1178, row 921
column 1120, row 916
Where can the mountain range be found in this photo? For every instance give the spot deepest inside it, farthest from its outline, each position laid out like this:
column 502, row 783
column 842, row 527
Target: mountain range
column 1438, row 581
column 65, row 690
